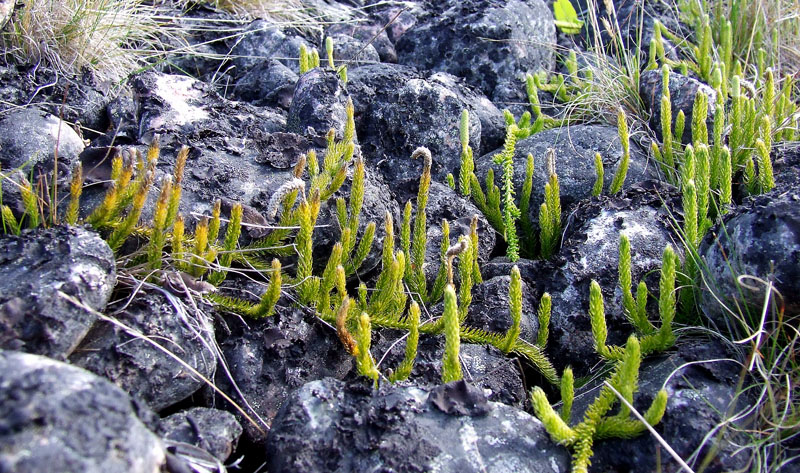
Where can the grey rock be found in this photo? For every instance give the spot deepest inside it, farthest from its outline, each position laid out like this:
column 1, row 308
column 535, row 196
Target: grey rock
column 490, row 43
column 352, row 51
column 575, row 149
column 329, row 426
column 142, row 369
column 493, row 122
column 497, row 375
column 34, row 268
column 368, row 33
column 262, row 41
column 176, row 107
column 398, row 110
column 269, row 83
column 318, row 105
column 683, row 91
column 53, row 415
column 700, row 377
column 489, row 309
column 786, row 165
column 270, row 358
column 213, row 430
column 760, row 239
column 28, row 141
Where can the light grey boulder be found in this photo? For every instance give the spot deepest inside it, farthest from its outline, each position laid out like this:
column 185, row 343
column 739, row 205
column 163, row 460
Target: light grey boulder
column 56, row 417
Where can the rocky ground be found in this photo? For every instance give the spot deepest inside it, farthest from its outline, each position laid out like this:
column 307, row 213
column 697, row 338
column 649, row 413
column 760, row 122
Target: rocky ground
column 86, row 393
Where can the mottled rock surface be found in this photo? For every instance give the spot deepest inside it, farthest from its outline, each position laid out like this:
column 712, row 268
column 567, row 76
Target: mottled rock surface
column 700, row 377
column 213, row 430
column 142, row 369
column 56, row 417
column 268, row 359
column 34, row 268
column 490, row 43
column 330, row 426
column 760, row 241
column 398, row 110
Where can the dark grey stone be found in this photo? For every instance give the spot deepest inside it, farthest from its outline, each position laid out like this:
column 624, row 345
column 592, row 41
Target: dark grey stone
column 760, row 239
column 490, row 43
column 34, row 268
column 56, row 417
column 269, row 83
column 575, row 148
column 368, row 33
column 682, row 91
column 489, row 309
column 213, row 430
column 330, row 426
column 28, row 140
column 270, row 358
column 262, row 41
column 398, row 110
column 318, row 105
column 142, row 369
column 484, row 366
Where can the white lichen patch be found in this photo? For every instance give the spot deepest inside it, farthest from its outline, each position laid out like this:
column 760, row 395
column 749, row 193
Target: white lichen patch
column 178, row 93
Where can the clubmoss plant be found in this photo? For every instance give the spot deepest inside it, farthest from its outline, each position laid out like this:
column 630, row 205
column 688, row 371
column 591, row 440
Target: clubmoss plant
column 451, row 366
column 599, row 172
column 624, row 138
column 467, row 163
column 550, row 211
column 652, row 339
column 597, row 424
column 510, row 210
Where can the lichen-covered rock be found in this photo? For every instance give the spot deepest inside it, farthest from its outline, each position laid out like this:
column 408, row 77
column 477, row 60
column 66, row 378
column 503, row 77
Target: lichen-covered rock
column 136, row 365
column 700, row 377
column 262, row 41
column 270, row 358
column 34, row 268
column 212, row 430
column 330, row 426
column 368, row 33
column 682, row 91
column 56, row 417
column 318, row 105
column 177, row 108
column 575, row 149
column 759, row 241
column 398, row 110
column 490, row 43
column 269, row 83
